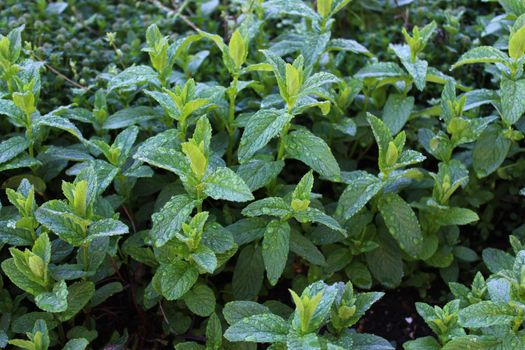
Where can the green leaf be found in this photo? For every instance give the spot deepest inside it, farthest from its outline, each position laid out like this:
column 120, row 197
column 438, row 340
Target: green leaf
column 490, row 151
column 348, row 45
column 512, row 100
column 402, row 223
column 132, row 76
column 302, row 192
column 313, row 151
column 317, row 216
column 425, row 343
column 396, row 111
column 235, row 311
column 363, row 341
column 97, row 250
column 169, row 220
column 105, row 292
column 263, row 328
column 517, row 43
column 303, row 247
column 155, row 151
column 473, row 342
column 259, row 173
column 497, row 260
column 106, row 228
column 189, row 345
column 21, row 161
column 308, row 341
column 57, row 122
column 217, row 238
column 416, row 68
column 482, row 54
column 248, row 274
column 9, row 109
column 359, row 274
column 454, row 216
column 486, row 314
column 223, row 183
column 205, row 258
column 364, row 302
column 409, row 157
column 362, row 187
column 200, row 300
column 275, row 249
column 214, row 333
column 290, row 7
column 273, row 206
column 55, row 301
column 321, row 311
column 247, row 230
column 12, row 147
column 19, row 279
column 260, row 129
column 166, row 102
column 382, row 134
column 418, row 71
column 385, row 262
column 76, row 344
column 130, row 116
column 57, row 217
column 238, row 48
column 380, row 70
column 176, row 279
column 79, row 295
column 25, row 322
column 318, row 80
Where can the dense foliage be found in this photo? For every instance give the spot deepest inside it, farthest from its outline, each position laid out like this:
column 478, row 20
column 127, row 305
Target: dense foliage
column 216, row 175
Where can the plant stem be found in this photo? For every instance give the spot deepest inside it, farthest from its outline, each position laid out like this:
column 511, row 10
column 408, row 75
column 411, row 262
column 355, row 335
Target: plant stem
column 200, row 198
column 85, row 258
column 231, row 121
column 29, row 128
column 182, row 129
column 284, row 132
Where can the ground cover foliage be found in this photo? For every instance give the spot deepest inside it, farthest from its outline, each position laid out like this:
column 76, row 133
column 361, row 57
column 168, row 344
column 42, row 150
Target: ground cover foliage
column 256, row 174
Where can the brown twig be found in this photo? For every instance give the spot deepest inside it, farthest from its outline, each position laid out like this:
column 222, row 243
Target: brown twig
column 117, row 270
column 130, row 218
column 164, row 316
column 190, row 23
column 172, row 12
column 54, row 70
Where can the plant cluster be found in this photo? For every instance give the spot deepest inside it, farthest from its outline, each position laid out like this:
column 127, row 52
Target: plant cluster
column 253, row 176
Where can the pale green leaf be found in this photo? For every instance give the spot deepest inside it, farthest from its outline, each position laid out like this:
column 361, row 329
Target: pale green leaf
column 314, row 152
column 482, row 54
column 396, row 111
column 260, row 129
column 263, row 328
column 169, row 220
column 223, row 183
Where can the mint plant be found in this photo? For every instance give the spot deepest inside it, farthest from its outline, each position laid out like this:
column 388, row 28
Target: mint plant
column 276, row 238
column 487, row 314
column 319, row 305
column 170, row 170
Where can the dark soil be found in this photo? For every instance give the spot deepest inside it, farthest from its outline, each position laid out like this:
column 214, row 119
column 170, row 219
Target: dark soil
column 394, row 317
